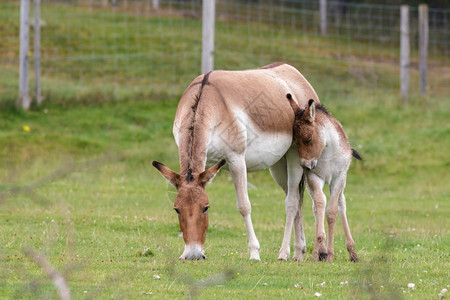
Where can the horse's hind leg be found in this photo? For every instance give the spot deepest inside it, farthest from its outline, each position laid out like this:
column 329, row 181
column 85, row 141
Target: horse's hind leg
column 287, row 173
column 295, row 175
column 348, row 236
column 299, row 234
column 336, row 190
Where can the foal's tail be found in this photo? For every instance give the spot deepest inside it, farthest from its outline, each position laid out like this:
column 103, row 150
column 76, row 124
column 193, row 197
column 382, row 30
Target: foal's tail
column 301, row 189
column 355, row 154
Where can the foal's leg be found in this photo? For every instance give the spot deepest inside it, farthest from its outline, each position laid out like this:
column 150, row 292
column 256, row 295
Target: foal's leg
column 348, row 236
column 336, row 190
column 294, row 175
column 315, row 186
column 238, row 171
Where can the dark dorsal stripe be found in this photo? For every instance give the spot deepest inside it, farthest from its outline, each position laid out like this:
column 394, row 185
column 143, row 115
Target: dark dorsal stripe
column 189, row 176
column 273, row 65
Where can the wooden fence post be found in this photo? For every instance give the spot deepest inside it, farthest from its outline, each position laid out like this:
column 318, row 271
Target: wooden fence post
column 24, row 99
column 404, row 52
column 37, row 49
column 323, row 17
column 208, row 16
column 423, row 47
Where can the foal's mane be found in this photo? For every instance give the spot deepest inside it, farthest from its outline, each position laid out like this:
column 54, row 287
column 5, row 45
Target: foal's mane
column 319, row 107
column 323, row 109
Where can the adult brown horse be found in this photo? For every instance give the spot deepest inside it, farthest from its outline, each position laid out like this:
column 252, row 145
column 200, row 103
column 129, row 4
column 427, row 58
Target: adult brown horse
column 241, row 118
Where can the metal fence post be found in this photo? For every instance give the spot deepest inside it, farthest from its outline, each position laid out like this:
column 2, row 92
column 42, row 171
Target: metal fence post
column 423, row 47
column 404, row 52
column 323, row 17
column 37, row 49
column 208, row 16
column 24, row 98
column 155, row 4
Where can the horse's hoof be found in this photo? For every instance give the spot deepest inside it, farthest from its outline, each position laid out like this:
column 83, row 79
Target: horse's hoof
column 254, row 255
column 283, row 255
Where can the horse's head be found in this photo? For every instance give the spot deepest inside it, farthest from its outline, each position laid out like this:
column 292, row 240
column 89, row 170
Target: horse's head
column 307, row 133
column 191, row 205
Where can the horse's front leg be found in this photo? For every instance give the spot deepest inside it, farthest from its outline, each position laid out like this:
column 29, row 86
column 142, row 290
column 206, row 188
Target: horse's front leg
column 315, row 186
column 238, row 172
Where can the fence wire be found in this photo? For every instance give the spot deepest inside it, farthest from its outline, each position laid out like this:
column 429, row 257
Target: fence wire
column 98, row 46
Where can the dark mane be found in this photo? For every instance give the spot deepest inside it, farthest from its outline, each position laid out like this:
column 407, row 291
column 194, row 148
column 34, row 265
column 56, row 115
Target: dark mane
column 191, row 128
column 323, row 109
column 319, row 107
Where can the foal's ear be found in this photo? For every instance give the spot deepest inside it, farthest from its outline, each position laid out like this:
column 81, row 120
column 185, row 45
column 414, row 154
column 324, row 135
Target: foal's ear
column 310, row 112
column 208, row 175
column 293, row 104
column 173, row 177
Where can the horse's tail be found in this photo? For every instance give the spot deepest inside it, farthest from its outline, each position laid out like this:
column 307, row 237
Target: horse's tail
column 356, row 155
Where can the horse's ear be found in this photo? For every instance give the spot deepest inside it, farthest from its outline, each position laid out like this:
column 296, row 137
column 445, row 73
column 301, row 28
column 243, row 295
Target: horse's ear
column 310, row 112
column 293, row 104
column 173, row 177
column 208, row 175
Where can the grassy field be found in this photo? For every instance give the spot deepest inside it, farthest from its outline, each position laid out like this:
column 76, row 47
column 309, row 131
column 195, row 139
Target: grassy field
column 77, row 186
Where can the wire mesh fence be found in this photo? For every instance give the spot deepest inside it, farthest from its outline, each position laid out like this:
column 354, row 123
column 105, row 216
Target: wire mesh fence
column 116, row 47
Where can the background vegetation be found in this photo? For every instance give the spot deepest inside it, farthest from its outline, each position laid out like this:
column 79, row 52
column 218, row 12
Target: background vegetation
column 77, row 185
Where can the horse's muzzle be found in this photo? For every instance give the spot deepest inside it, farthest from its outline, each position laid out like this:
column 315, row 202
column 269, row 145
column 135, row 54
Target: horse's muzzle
column 193, row 252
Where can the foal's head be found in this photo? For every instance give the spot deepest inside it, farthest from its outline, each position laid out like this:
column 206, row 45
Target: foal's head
column 191, row 205
column 307, row 133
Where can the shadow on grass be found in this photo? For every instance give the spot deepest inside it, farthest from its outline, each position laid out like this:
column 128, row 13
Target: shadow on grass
column 373, row 277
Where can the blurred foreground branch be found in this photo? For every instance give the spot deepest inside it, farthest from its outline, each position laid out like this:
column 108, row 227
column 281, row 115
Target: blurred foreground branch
column 58, row 280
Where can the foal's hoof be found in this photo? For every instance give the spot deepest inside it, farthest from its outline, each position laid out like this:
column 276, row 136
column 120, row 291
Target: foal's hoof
column 330, row 258
column 323, row 256
column 354, row 257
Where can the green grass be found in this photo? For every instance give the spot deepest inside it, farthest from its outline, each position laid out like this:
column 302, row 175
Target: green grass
column 95, row 221
column 79, row 188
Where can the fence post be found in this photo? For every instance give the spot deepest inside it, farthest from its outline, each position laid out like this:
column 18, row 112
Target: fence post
column 323, row 17
column 404, row 52
column 423, row 47
column 24, row 99
column 155, row 4
column 37, row 49
column 208, row 16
